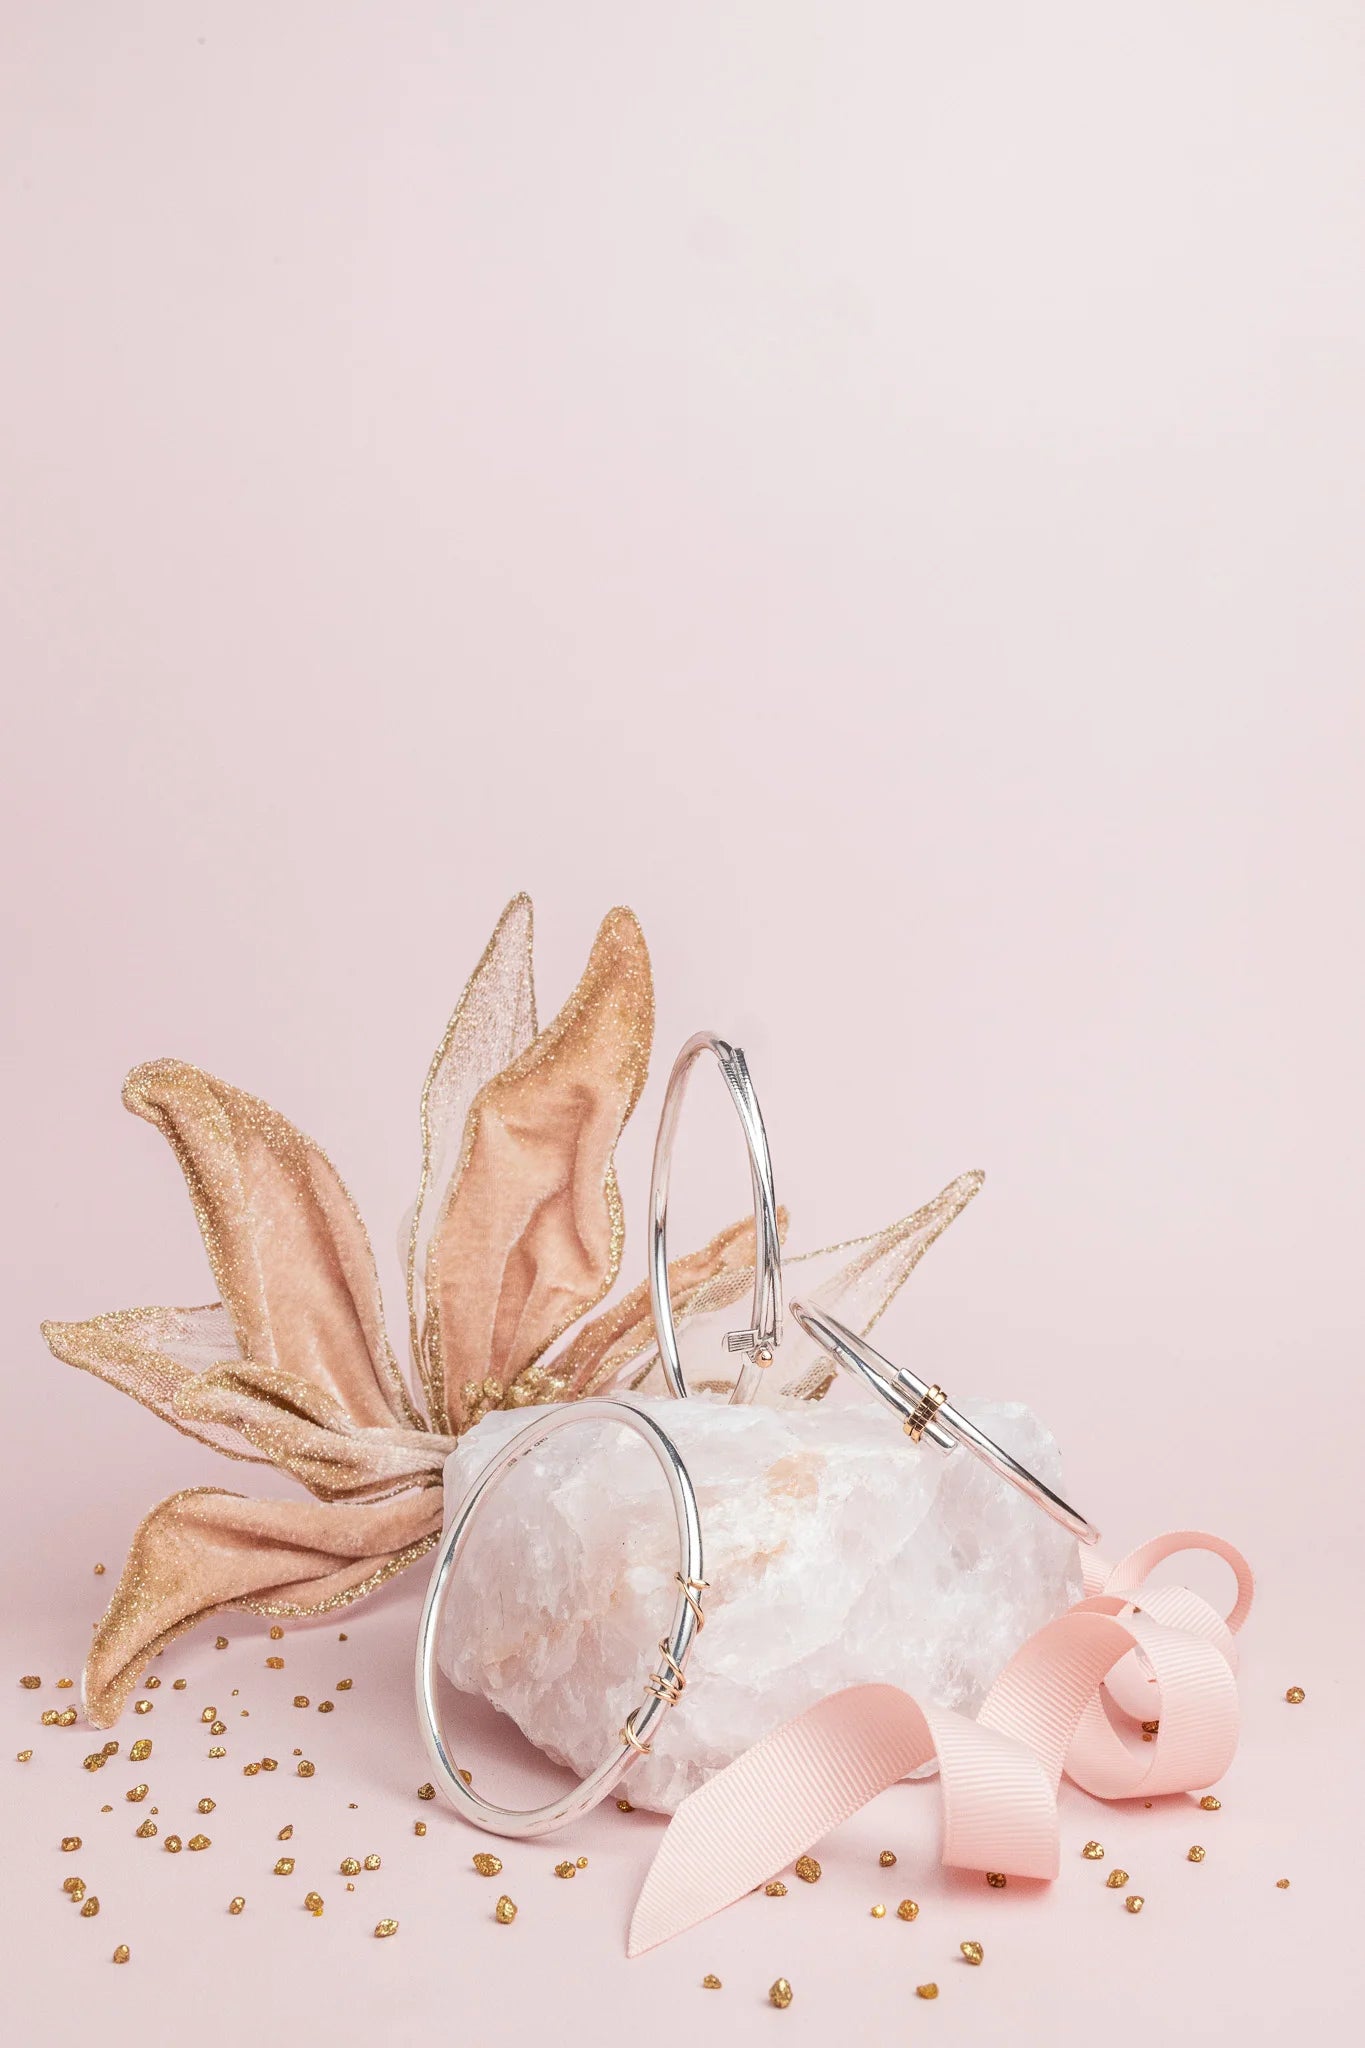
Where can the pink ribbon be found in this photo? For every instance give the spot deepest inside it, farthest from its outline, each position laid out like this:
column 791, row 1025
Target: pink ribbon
column 1161, row 1653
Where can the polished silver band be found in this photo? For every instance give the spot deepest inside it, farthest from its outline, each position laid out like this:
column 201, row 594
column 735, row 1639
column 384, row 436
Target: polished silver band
column 661, row 1688
column 759, row 1342
column 927, row 1414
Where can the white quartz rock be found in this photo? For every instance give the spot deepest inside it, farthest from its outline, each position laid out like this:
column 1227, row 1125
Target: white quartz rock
column 836, row 1552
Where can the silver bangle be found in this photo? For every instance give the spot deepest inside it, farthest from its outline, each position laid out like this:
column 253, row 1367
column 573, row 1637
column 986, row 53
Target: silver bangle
column 759, row 1342
column 927, row 1415
column 661, row 1688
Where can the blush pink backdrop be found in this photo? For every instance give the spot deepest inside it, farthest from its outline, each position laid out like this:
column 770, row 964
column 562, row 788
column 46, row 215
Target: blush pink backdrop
column 878, row 488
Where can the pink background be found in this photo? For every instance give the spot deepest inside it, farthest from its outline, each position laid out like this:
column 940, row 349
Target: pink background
column 878, row 488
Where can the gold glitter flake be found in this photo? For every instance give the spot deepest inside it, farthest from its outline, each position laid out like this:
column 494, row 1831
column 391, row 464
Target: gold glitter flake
column 1116, row 1880
column 209, row 1714
column 274, row 1663
column 972, row 1952
column 136, row 1794
column 49, row 1718
column 65, row 1684
column 140, row 1750
column 70, row 1842
column 304, row 1768
column 808, row 1870
column 505, row 1912
column 122, row 1952
column 710, row 1982
column 565, row 1870
column 775, row 1889
column 582, row 1862
column 237, row 1905
column 218, row 1728
column 269, row 1763
column 23, row 1756
column 220, row 1642
column 372, row 1862
column 345, row 1684
column 67, row 1718
column 326, row 1706
column 218, row 1750
column 1195, row 1854
column 1296, row 1695
column 277, row 1634
column 1135, row 1902
column 109, row 1749
column 1210, row 1804
column 486, row 1865
column 1093, row 1851
column 383, row 1928
column 1282, row 1884
column 74, row 1887
column 879, row 1912
column 150, row 1682
column 313, row 1901
column 780, row 1994
column 908, row 1909
column 426, row 1791
column 90, row 1908
column 31, row 1683
column 142, row 1706
column 624, row 1806
column 997, row 1880
column 206, row 1806
column 251, row 1770
column 96, row 1760
column 350, row 1866
column 1151, row 1727
column 419, row 1827
column 173, row 1845
column 199, row 1842
column 301, row 1699
column 887, row 1858
column 147, row 1830
column 926, row 1991
column 99, row 1571
column 284, row 1867
column 179, row 1684
column 286, row 1833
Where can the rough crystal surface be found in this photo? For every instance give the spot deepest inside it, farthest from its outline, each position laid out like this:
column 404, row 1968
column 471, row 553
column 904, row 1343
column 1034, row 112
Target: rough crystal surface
column 836, row 1552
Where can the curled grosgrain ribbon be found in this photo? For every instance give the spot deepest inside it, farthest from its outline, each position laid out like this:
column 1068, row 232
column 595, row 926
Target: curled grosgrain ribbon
column 999, row 1773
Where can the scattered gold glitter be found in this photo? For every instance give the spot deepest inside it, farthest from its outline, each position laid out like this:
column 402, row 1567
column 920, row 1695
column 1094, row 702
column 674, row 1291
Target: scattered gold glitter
column 220, row 1642
column 926, row 1991
column 286, row 1833
column 345, row 1684
column 624, row 1806
column 206, row 1806
column 1150, row 1727
column 419, row 1827
column 31, row 1683
column 1296, row 1695
column 109, row 1749
column 70, row 1842
column 142, row 1706
column 808, row 1870
column 218, row 1728
column 1116, row 1880
column 140, row 1750
column 313, row 1901
column 236, row 1905
column 179, row 1684
column 285, row 1867
column 780, row 1994
column 565, row 1870
column 426, row 1791
column 385, row 1927
column 65, row 1684
column 582, row 1862
column 326, row 1706
column 199, row 1842
column 372, row 1862
column 304, row 1768
column 74, row 1887
column 879, row 1912
column 172, row 1845
column 486, row 1865
column 209, row 1714
column 775, row 1889
column 710, row 1982
column 1210, row 1804
column 218, row 1750
column 277, row 1634
column 1195, row 1855
column 122, row 1952
column 49, row 1718
column 269, row 1763
column 135, row 1794
column 349, row 1886
column 251, row 1770
column 342, row 1637
column 887, row 1858
column 350, row 1866
column 972, row 1951
column 67, row 1718
column 1135, row 1902
column 90, row 1908
column 1282, row 1884
column 301, row 1699
column 96, row 1760
column 274, row 1663
column 23, row 1756
column 150, row 1682
column 505, row 1911
column 99, row 1571
column 997, row 1880
column 1094, row 1851
column 468, row 1776
column 147, row 1830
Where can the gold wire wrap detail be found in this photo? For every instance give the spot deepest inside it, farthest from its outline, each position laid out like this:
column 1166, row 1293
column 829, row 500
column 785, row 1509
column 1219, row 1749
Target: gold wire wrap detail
column 690, row 1589
column 929, row 1405
column 667, row 1688
column 628, row 1735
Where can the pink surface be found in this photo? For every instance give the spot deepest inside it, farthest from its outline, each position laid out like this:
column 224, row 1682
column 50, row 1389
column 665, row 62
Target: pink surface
column 877, row 490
